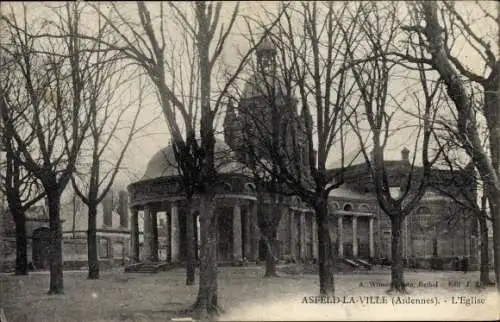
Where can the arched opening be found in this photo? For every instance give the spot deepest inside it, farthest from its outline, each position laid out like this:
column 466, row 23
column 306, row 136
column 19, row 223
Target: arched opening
column 41, row 248
column 348, row 207
column 250, row 187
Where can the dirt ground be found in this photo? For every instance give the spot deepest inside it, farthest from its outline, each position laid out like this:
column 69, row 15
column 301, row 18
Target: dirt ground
column 245, row 294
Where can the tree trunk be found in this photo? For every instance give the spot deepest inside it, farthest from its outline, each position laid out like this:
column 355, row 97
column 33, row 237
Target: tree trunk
column 93, row 259
column 470, row 135
column 397, row 270
column 484, row 269
column 495, row 214
column 190, row 256
column 56, row 259
column 270, row 240
column 492, row 115
column 134, row 237
column 207, row 303
column 154, row 234
column 21, row 242
column 325, row 252
column 73, row 226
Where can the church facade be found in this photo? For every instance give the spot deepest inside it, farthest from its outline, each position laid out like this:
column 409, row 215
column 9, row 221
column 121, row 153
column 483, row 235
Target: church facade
column 359, row 229
column 149, row 222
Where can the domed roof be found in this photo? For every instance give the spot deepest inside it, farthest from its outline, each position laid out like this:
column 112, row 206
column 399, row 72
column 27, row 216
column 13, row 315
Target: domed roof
column 266, row 45
column 163, row 163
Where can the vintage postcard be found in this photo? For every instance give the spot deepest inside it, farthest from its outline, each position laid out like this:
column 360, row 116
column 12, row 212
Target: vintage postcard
column 249, row 161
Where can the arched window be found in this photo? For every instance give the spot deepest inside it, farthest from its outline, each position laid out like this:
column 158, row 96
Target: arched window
column 250, row 187
column 331, row 208
column 423, row 210
column 348, row 207
column 423, row 220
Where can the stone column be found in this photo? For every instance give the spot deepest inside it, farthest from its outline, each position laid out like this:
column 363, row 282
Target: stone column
column 147, row 234
column 174, row 233
column 123, row 208
column 134, row 235
column 340, row 235
column 354, row 236
column 370, row 236
column 154, row 235
column 237, row 240
column 107, row 211
column 315, row 236
column 255, row 231
column 248, row 241
column 302, row 225
column 293, row 234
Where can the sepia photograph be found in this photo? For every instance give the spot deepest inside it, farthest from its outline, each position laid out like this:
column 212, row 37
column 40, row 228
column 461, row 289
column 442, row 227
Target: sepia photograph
column 249, row 161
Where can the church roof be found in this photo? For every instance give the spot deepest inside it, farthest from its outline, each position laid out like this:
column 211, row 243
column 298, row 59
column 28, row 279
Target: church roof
column 345, row 192
column 266, row 45
column 163, row 163
column 351, row 158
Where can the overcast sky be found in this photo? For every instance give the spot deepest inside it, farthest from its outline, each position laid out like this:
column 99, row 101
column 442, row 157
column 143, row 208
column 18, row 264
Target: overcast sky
column 156, row 135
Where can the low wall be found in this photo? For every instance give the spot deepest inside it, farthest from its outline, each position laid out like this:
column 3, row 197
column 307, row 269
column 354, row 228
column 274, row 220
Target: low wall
column 74, row 253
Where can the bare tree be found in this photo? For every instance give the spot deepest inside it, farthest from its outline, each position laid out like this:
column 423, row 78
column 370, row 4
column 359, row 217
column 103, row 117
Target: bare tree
column 270, row 211
column 20, row 188
column 443, row 26
column 145, row 43
column 55, row 71
column 463, row 187
column 309, row 60
column 21, row 192
column 108, row 122
column 241, row 131
column 373, row 81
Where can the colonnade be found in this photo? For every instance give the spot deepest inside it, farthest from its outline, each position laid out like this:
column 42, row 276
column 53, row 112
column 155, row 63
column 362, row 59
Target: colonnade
column 243, row 244
column 246, row 234
column 299, row 236
column 355, row 246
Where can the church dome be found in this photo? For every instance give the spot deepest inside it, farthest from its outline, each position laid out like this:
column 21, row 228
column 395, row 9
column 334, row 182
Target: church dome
column 266, row 76
column 266, row 45
column 163, row 163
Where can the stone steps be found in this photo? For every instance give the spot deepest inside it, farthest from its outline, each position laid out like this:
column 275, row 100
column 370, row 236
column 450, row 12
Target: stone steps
column 363, row 263
column 351, row 262
column 149, row 267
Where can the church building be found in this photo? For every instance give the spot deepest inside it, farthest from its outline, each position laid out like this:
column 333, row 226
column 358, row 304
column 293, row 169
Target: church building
column 359, row 229
column 148, row 223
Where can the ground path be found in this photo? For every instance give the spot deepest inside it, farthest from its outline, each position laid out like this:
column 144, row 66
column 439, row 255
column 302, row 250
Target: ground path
column 244, row 294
